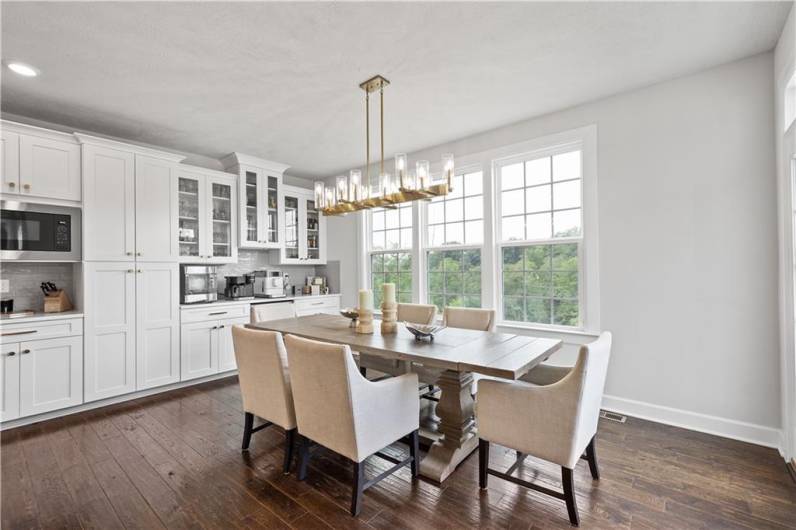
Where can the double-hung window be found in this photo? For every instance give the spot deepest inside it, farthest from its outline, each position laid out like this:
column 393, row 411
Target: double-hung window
column 454, row 237
column 390, row 251
column 540, row 242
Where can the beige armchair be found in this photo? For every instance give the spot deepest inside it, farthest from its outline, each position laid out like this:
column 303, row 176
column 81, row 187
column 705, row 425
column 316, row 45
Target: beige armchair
column 415, row 313
column 341, row 410
column 469, row 318
column 556, row 422
column 264, row 385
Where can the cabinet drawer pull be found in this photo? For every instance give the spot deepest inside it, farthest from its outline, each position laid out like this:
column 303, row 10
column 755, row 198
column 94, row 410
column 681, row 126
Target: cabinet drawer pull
column 23, row 352
column 9, row 334
column 217, row 313
column 10, row 354
column 317, row 303
column 221, row 326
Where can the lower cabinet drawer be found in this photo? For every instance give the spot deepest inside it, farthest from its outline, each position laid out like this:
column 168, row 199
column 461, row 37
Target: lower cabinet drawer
column 47, row 329
column 317, row 304
column 214, row 313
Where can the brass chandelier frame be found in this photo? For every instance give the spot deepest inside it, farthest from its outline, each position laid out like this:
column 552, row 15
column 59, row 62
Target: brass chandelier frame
column 359, row 197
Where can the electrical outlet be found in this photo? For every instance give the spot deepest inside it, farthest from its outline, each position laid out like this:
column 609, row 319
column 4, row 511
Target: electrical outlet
column 4, row 288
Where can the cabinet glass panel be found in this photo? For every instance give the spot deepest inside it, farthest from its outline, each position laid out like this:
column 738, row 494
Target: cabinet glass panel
column 189, row 217
column 272, row 196
column 221, row 196
column 313, row 234
column 291, row 228
column 251, row 206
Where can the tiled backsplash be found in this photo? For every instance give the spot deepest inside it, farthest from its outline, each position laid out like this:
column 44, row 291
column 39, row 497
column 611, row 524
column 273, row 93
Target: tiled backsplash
column 249, row 260
column 25, row 280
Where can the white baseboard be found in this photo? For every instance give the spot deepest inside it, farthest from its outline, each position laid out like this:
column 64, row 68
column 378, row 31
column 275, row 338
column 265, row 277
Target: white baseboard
column 724, row 427
column 27, row 420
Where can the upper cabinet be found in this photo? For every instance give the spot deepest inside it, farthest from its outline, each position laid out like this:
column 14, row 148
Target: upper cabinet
column 130, row 206
column 260, row 211
column 206, row 216
column 304, row 229
column 39, row 164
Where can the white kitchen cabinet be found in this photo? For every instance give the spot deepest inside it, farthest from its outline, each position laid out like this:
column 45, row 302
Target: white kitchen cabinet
column 130, row 202
column 51, row 374
column 9, row 376
column 49, row 168
column 313, row 305
column 260, row 209
column 199, row 349
column 108, row 204
column 110, row 329
column 207, row 231
column 304, row 240
column 155, row 209
column 226, row 349
column 9, row 161
column 157, row 324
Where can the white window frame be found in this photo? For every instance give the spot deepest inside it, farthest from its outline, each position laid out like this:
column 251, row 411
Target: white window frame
column 491, row 280
column 424, row 246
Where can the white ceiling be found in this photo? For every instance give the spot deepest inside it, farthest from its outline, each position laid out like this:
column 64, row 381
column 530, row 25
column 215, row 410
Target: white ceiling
column 280, row 80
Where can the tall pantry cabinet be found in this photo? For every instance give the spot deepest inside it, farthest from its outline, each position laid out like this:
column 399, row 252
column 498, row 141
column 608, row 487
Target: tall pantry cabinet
column 131, row 255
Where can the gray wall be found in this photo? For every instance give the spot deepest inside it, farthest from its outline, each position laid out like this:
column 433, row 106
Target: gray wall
column 25, row 279
column 687, row 245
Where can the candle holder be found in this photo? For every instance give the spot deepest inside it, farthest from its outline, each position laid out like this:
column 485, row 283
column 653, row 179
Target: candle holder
column 389, row 319
column 365, row 322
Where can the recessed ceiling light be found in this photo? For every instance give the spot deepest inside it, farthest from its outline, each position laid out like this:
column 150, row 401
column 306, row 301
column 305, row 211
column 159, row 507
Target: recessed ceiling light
column 23, row 69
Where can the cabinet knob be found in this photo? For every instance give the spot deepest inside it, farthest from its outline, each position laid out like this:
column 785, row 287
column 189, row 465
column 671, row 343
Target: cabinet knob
column 25, row 352
column 130, row 270
column 11, row 354
column 139, row 271
column 129, row 253
column 138, row 254
column 26, row 186
column 12, row 185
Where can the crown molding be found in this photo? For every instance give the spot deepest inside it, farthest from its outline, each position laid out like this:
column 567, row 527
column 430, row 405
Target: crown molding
column 87, row 139
column 239, row 159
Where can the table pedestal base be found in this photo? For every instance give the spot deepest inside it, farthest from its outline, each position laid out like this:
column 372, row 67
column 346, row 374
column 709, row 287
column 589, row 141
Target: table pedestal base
column 457, row 427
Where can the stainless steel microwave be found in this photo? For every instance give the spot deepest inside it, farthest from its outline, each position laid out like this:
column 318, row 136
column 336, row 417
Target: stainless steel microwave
column 31, row 232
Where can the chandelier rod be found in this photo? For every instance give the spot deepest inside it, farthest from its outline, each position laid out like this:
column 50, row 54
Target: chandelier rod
column 367, row 138
column 381, row 123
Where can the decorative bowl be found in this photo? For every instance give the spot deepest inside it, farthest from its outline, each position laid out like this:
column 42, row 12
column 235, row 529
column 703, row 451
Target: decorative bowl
column 423, row 331
column 351, row 313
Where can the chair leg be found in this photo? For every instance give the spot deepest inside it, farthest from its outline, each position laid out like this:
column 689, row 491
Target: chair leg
column 414, row 452
column 358, row 488
column 290, row 437
column 591, row 456
column 569, row 496
column 248, row 425
column 363, row 371
column 304, row 457
column 483, row 463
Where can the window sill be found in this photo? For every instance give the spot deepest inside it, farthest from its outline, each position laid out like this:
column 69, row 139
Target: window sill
column 569, row 336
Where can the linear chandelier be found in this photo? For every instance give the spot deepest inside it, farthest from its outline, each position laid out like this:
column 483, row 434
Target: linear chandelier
column 352, row 193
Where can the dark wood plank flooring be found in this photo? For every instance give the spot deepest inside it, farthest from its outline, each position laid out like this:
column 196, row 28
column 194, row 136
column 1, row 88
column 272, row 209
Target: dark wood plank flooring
column 174, row 461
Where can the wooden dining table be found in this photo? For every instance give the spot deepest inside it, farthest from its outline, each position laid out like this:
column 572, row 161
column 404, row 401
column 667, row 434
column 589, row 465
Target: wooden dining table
column 455, row 354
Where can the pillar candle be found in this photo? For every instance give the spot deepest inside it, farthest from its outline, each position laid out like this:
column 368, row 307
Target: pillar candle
column 365, row 299
column 388, row 293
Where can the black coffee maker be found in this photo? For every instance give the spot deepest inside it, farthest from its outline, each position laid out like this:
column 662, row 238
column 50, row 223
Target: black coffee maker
column 239, row 286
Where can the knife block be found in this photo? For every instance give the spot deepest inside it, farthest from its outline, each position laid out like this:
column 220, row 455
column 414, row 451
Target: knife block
column 57, row 302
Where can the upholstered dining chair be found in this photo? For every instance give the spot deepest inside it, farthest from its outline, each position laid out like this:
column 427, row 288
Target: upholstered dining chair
column 264, row 385
column 556, row 422
column 469, row 318
column 341, row 410
column 415, row 313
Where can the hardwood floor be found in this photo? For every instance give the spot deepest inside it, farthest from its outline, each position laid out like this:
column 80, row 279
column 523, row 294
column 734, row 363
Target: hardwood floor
column 174, row 461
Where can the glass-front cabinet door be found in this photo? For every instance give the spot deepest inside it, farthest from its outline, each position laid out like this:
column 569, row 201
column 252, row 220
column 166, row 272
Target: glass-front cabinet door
column 304, row 229
column 292, row 234
column 313, row 230
column 272, row 212
column 250, row 216
column 189, row 222
column 221, row 219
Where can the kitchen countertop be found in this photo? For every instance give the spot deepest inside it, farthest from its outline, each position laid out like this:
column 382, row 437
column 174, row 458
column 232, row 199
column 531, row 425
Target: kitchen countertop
column 39, row 317
column 226, row 301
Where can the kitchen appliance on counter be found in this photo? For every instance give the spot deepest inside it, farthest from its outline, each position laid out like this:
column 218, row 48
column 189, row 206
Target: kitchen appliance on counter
column 239, row 286
column 198, row 284
column 31, row 232
column 269, row 283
